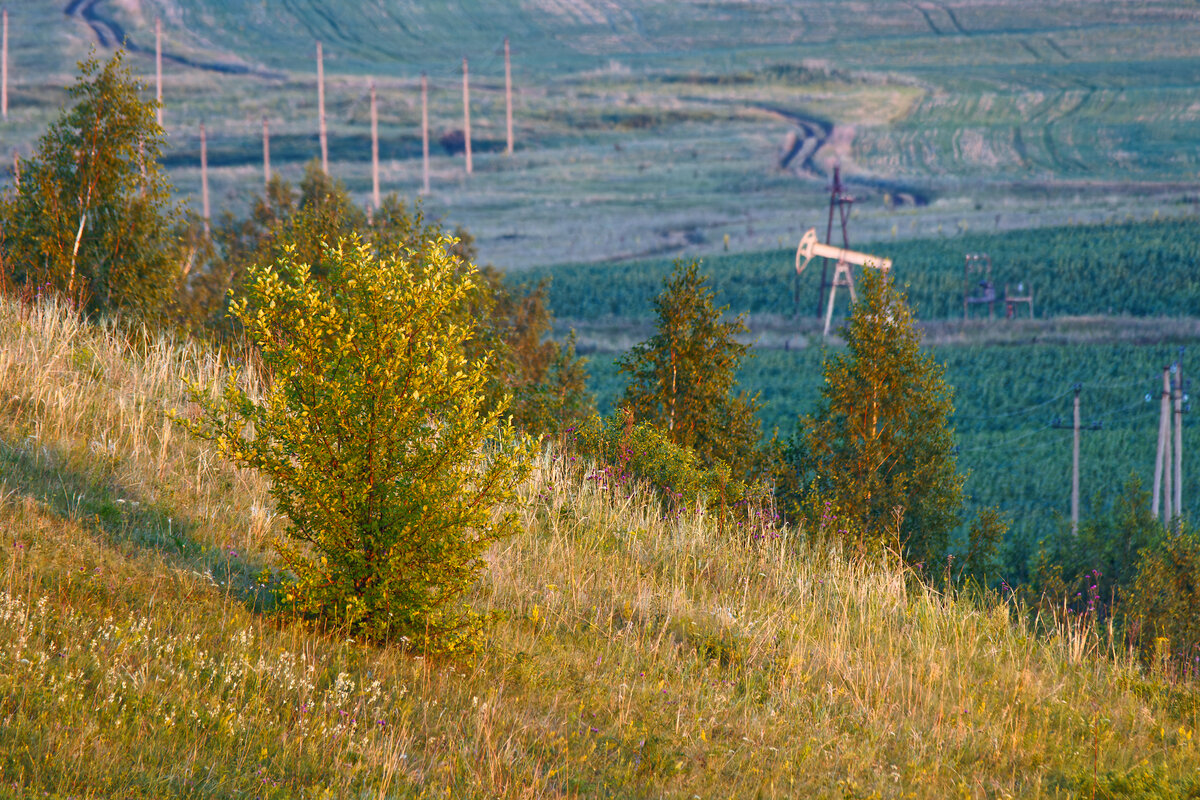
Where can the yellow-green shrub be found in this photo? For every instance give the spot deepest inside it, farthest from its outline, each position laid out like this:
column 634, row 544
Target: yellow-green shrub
column 385, row 456
column 625, row 452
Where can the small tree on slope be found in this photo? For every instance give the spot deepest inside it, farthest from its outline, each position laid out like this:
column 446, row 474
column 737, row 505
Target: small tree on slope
column 682, row 379
column 878, row 456
column 383, row 450
column 93, row 217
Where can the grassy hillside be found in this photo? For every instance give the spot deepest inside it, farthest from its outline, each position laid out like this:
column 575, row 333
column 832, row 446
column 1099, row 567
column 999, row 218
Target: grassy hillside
column 630, row 656
column 648, row 127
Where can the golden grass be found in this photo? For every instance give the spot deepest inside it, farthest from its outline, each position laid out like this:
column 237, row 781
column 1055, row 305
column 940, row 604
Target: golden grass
column 631, row 655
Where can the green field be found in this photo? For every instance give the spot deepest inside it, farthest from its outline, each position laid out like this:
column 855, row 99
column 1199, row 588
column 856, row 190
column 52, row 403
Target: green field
column 1130, row 269
column 1008, row 401
column 1114, row 303
column 656, row 127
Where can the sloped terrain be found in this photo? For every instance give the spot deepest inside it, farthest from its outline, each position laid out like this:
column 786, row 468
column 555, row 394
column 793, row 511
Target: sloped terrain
column 630, row 655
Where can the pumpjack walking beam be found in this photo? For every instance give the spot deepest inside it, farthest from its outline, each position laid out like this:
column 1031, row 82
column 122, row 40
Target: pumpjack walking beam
column 810, row 248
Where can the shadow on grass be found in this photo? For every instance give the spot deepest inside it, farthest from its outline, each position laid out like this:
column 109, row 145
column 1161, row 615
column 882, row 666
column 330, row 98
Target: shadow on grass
column 103, row 506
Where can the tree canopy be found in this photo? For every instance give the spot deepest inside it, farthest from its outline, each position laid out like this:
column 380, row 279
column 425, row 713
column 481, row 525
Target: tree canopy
column 683, row 378
column 878, row 457
column 92, row 216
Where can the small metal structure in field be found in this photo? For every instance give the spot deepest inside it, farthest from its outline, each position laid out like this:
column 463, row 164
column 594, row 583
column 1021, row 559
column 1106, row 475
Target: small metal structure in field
column 976, row 264
column 840, row 201
column 1013, row 299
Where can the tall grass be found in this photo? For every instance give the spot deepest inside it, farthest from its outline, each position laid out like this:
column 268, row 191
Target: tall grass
column 630, row 654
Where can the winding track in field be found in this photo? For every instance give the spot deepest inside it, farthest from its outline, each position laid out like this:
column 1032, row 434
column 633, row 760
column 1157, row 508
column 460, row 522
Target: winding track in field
column 110, row 34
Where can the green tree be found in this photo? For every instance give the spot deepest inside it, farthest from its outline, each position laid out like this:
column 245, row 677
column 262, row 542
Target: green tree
column 93, row 217
column 384, row 451
column 684, row 377
column 547, row 380
column 877, row 458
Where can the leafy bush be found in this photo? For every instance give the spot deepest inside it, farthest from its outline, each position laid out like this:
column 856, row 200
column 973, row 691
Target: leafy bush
column 627, row 452
column 385, row 454
column 1088, row 571
column 1161, row 606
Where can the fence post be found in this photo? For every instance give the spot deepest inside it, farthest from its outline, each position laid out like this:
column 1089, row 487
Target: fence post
column 374, row 148
column 425, row 129
column 204, row 178
column 4, row 68
column 266, row 154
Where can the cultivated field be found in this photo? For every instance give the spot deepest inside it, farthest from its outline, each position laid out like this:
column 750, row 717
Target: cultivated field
column 660, row 127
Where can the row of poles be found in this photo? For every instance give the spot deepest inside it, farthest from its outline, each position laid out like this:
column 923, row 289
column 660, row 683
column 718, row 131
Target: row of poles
column 323, row 130
column 323, row 134
column 1167, row 495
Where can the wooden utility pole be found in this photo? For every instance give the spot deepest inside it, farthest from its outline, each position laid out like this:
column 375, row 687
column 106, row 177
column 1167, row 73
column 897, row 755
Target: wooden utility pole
column 1160, row 460
column 467, row 114
column 158, row 112
column 266, row 154
column 1075, row 469
column 374, row 148
column 321, row 109
column 4, row 67
column 508, row 97
column 425, row 130
column 204, row 177
column 1077, row 428
column 1178, row 450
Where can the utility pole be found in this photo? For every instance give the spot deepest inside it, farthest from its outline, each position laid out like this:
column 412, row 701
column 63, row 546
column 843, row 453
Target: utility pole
column 158, row 112
column 1162, row 457
column 374, row 149
column 266, row 154
column 425, row 131
column 467, row 114
column 508, row 96
column 204, row 178
column 4, row 67
column 321, row 109
column 1179, row 437
column 1076, row 427
column 1075, row 470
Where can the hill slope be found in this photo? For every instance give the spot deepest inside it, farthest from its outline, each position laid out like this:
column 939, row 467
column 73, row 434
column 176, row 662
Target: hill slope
column 631, row 655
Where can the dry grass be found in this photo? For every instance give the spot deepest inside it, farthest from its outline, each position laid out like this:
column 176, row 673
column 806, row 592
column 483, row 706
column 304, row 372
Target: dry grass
column 631, row 655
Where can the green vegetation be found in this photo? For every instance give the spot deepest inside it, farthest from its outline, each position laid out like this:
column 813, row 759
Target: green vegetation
column 1006, row 399
column 633, row 655
column 878, row 455
column 653, row 628
column 1129, row 269
column 682, row 379
column 91, row 218
column 381, row 446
